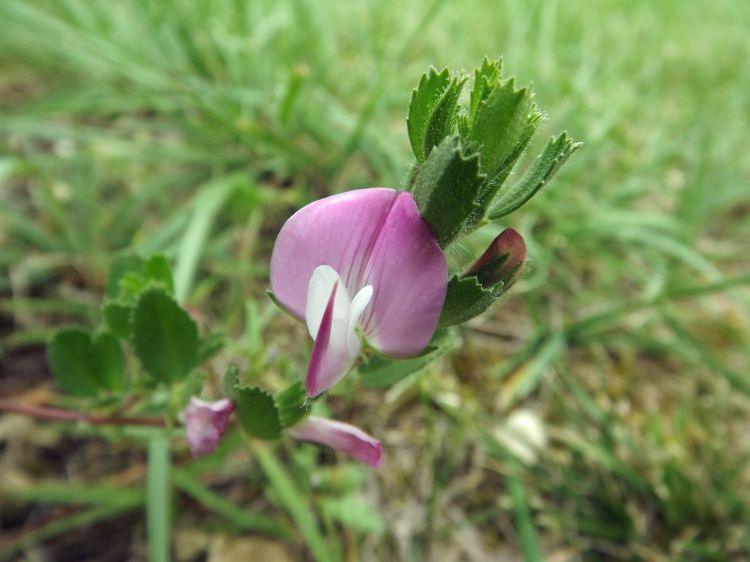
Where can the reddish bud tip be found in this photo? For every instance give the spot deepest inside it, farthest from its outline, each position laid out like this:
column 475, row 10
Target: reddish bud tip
column 501, row 261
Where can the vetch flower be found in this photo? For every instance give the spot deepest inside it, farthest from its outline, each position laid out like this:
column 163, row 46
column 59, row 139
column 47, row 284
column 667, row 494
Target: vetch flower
column 205, row 423
column 361, row 261
column 340, row 436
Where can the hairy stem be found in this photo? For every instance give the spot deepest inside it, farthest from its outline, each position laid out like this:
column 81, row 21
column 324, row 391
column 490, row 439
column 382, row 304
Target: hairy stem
column 58, row 414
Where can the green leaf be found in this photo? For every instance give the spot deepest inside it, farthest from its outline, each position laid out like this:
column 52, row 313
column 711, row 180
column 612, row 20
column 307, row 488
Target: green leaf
column 424, row 98
column 505, row 121
column 157, row 269
column 117, row 318
column 555, row 154
column 379, row 371
column 107, row 361
column 466, row 299
column 485, row 79
column 293, row 404
column 83, row 365
column 443, row 118
column 254, row 408
column 355, row 513
column 165, row 338
column 132, row 284
column 256, row 412
column 122, row 265
column 129, row 275
column 68, row 354
column 445, row 189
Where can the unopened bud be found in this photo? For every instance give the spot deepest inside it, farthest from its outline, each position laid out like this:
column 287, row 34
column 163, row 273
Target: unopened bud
column 501, row 261
column 205, row 423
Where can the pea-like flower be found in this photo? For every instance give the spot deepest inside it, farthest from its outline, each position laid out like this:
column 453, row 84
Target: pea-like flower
column 340, row 436
column 205, row 423
column 361, row 262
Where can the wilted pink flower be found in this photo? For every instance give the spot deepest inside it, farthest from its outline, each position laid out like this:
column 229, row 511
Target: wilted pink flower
column 364, row 261
column 205, row 423
column 340, row 436
column 502, row 260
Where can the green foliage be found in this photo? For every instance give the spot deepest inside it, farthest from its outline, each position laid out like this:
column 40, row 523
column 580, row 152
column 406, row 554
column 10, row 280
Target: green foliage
column 505, row 121
column 466, row 298
column 255, row 409
column 492, row 132
column 156, row 269
column 158, row 498
column 292, row 404
column 165, row 338
column 117, row 318
column 555, row 154
column 130, row 274
column 432, row 111
column 379, row 371
column 486, row 77
column 84, row 365
column 355, row 513
column 211, row 345
column 446, row 189
column 119, row 268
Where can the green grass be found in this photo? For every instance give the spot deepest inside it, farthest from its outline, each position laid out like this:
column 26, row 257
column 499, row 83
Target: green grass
column 194, row 129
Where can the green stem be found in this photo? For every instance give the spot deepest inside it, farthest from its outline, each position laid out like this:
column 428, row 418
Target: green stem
column 524, row 523
column 292, row 499
column 158, row 498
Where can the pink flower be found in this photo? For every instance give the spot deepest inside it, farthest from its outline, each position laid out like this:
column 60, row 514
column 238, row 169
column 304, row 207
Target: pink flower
column 361, row 261
column 340, row 436
column 205, row 423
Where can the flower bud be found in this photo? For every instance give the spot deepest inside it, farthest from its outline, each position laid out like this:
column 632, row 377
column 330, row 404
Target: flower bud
column 501, row 261
column 205, row 423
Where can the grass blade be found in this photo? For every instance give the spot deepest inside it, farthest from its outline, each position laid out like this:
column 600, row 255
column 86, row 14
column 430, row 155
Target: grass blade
column 158, row 499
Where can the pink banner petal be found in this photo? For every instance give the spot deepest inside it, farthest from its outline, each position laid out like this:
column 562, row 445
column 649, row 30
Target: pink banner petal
column 369, row 237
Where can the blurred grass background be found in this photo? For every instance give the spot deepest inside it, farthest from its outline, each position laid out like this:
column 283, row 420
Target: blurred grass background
column 618, row 367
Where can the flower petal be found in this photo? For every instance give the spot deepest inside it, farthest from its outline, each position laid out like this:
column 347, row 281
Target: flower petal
column 340, row 436
column 408, row 272
column 334, row 350
column 358, row 306
column 318, row 291
column 205, row 423
column 370, row 237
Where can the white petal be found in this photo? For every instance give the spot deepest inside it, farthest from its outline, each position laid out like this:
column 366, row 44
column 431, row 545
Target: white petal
column 319, row 289
column 332, row 355
column 359, row 303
